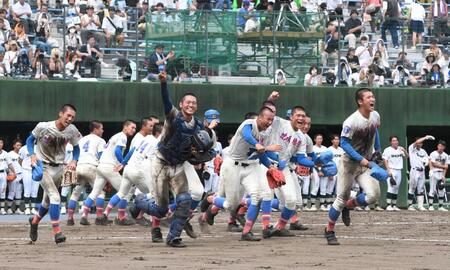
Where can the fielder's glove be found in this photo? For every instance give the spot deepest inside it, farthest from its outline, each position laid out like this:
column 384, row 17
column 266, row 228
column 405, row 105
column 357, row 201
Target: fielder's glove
column 217, row 164
column 392, row 181
column 10, row 177
column 440, row 185
column 275, row 178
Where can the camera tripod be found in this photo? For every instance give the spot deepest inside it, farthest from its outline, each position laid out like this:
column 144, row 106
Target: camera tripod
column 284, row 17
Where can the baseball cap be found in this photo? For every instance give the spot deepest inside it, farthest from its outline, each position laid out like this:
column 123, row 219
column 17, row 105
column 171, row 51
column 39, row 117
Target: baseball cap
column 211, row 115
column 246, row 2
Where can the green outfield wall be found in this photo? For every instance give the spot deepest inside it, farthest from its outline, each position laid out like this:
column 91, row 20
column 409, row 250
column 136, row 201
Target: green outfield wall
column 116, row 101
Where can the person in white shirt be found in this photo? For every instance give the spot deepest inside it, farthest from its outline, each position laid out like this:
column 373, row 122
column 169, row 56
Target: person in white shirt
column 338, row 152
column 438, row 168
column 393, row 161
column 113, row 26
column 30, row 187
column 313, row 78
column 363, row 52
column 15, row 186
column 320, row 181
column 21, row 12
column 417, row 19
column 90, row 22
column 5, row 166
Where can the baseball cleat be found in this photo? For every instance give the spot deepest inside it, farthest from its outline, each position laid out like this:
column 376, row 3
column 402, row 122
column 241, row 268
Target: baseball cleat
column 249, row 237
column 103, row 221
column 313, row 208
column 389, row 208
column 60, row 238
column 156, row 235
column 396, row 208
column 189, row 230
column 19, row 212
column 204, row 204
column 323, row 208
column 281, row 233
column 143, row 222
column 331, row 238
column 421, row 208
column 2, row 211
column 367, row 208
column 176, row 242
column 203, row 225
column 10, row 211
column 85, row 221
column 34, row 211
column 411, row 208
column 267, row 233
column 123, row 222
column 442, row 209
column 346, row 216
column 33, row 230
column 234, row 227
column 358, row 208
column 297, row 226
column 378, row 208
column 431, row 208
column 63, row 210
column 240, row 218
column 70, row 222
column 27, row 211
column 210, row 216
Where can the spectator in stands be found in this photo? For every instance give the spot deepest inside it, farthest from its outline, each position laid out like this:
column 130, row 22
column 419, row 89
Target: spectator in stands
column 247, row 20
column 90, row 24
column 333, row 4
column 73, row 66
column 330, row 50
column 11, row 56
column 20, row 34
column 378, row 68
column 43, row 29
column 353, row 60
column 157, row 63
column 142, row 13
column 353, row 27
column 262, row 5
column 4, row 34
column 73, row 13
column 21, row 12
column 113, row 27
column 435, row 78
column 402, row 76
column 159, row 16
column 417, row 21
column 73, row 40
column 3, row 63
column 3, row 15
column 434, row 49
column 39, row 65
column 391, row 21
column 380, row 47
column 280, row 77
column 444, row 63
column 183, row 77
column 439, row 17
column 364, row 52
column 403, row 61
column 97, row 4
column 343, row 73
column 90, row 55
column 371, row 8
column 313, row 77
column 55, row 64
column 427, row 65
column 224, row 4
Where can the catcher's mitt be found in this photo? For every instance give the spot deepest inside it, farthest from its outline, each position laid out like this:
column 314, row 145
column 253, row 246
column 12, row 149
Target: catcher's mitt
column 217, row 164
column 302, row 170
column 10, row 177
column 275, row 178
column 108, row 187
column 69, row 178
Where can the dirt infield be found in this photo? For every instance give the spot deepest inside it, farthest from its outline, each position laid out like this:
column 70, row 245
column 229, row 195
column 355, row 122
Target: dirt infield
column 403, row 240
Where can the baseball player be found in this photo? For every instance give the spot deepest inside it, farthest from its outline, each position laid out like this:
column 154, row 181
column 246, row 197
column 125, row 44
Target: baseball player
column 15, row 187
column 50, row 139
column 66, row 189
column 110, row 164
column 359, row 138
column 304, row 172
column 418, row 160
column 320, row 181
column 242, row 168
column 6, row 167
column 212, row 184
column 438, row 169
column 393, row 162
column 92, row 147
column 30, row 187
column 338, row 152
column 184, row 138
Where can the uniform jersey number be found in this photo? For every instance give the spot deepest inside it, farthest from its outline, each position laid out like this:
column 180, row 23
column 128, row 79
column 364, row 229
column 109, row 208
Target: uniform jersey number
column 142, row 148
column 86, row 146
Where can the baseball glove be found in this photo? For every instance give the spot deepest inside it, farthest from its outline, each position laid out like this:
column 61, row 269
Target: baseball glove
column 69, row 178
column 302, row 170
column 107, row 188
column 10, row 177
column 440, row 185
column 275, row 178
column 392, row 181
column 217, row 164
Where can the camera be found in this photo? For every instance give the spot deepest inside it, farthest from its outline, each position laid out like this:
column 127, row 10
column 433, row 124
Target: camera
column 41, row 56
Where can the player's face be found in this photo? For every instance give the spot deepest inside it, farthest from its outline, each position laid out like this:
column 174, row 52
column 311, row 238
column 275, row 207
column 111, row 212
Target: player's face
column 99, row 131
column 440, row 148
column 265, row 120
column 297, row 119
column 130, row 130
column 1, row 144
column 394, row 142
column 367, row 102
column 189, row 105
column 306, row 125
column 335, row 141
column 318, row 140
column 66, row 118
column 17, row 146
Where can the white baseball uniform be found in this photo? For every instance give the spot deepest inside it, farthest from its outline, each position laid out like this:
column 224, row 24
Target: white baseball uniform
column 212, row 184
column 361, row 132
column 15, row 187
column 4, row 162
column 337, row 155
column 418, row 159
column 30, row 187
column 394, row 157
column 306, row 177
column 51, row 149
column 437, row 174
column 320, row 182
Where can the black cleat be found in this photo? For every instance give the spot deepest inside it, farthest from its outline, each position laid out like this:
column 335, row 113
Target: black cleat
column 233, row 227
column 33, row 230
column 331, row 238
column 176, row 242
column 60, row 238
column 281, row 233
column 267, row 233
column 123, row 222
column 85, row 221
column 297, row 226
column 156, row 235
column 249, row 237
column 239, row 218
column 204, row 204
column 210, row 216
column 346, row 216
column 189, row 230
column 70, row 222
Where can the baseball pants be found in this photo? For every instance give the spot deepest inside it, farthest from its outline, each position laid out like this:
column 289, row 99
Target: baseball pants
column 435, row 177
column 86, row 174
column 195, row 185
column 416, row 181
column 15, row 188
column 51, row 180
column 105, row 172
column 133, row 175
column 3, row 185
column 288, row 194
column 397, row 175
column 30, row 187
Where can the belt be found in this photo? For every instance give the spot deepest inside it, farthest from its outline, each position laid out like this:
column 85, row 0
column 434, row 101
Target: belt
column 243, row 164
column 1, row 171
column 52, row 164
column 418, row 169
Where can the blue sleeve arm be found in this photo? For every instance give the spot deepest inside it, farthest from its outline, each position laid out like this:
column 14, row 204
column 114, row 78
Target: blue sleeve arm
column 247, row 134
column 118, row 152
column 304, row 161
column 30, row 144
column 313, row 156
column 264, row 159
column 166, row 98
column 76, row 152
column 128, row 156
column 272, row 155
column 345, row 144
column 377, row 141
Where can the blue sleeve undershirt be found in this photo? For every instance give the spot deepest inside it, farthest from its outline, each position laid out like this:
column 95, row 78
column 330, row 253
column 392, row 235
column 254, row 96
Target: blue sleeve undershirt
column 377, row 145
column 76, row 152
column 247, row 134
column 118, row 153
column 345, row 144
column 30, row 144
column 304, row 161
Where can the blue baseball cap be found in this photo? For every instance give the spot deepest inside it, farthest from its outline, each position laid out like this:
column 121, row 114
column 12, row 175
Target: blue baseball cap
column 211, row 115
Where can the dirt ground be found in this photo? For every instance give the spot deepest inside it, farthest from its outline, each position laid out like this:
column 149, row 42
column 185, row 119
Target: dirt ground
column 387, row 240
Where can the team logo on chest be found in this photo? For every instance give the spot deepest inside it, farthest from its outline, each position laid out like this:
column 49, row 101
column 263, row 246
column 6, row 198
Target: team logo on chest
column 288, row 139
